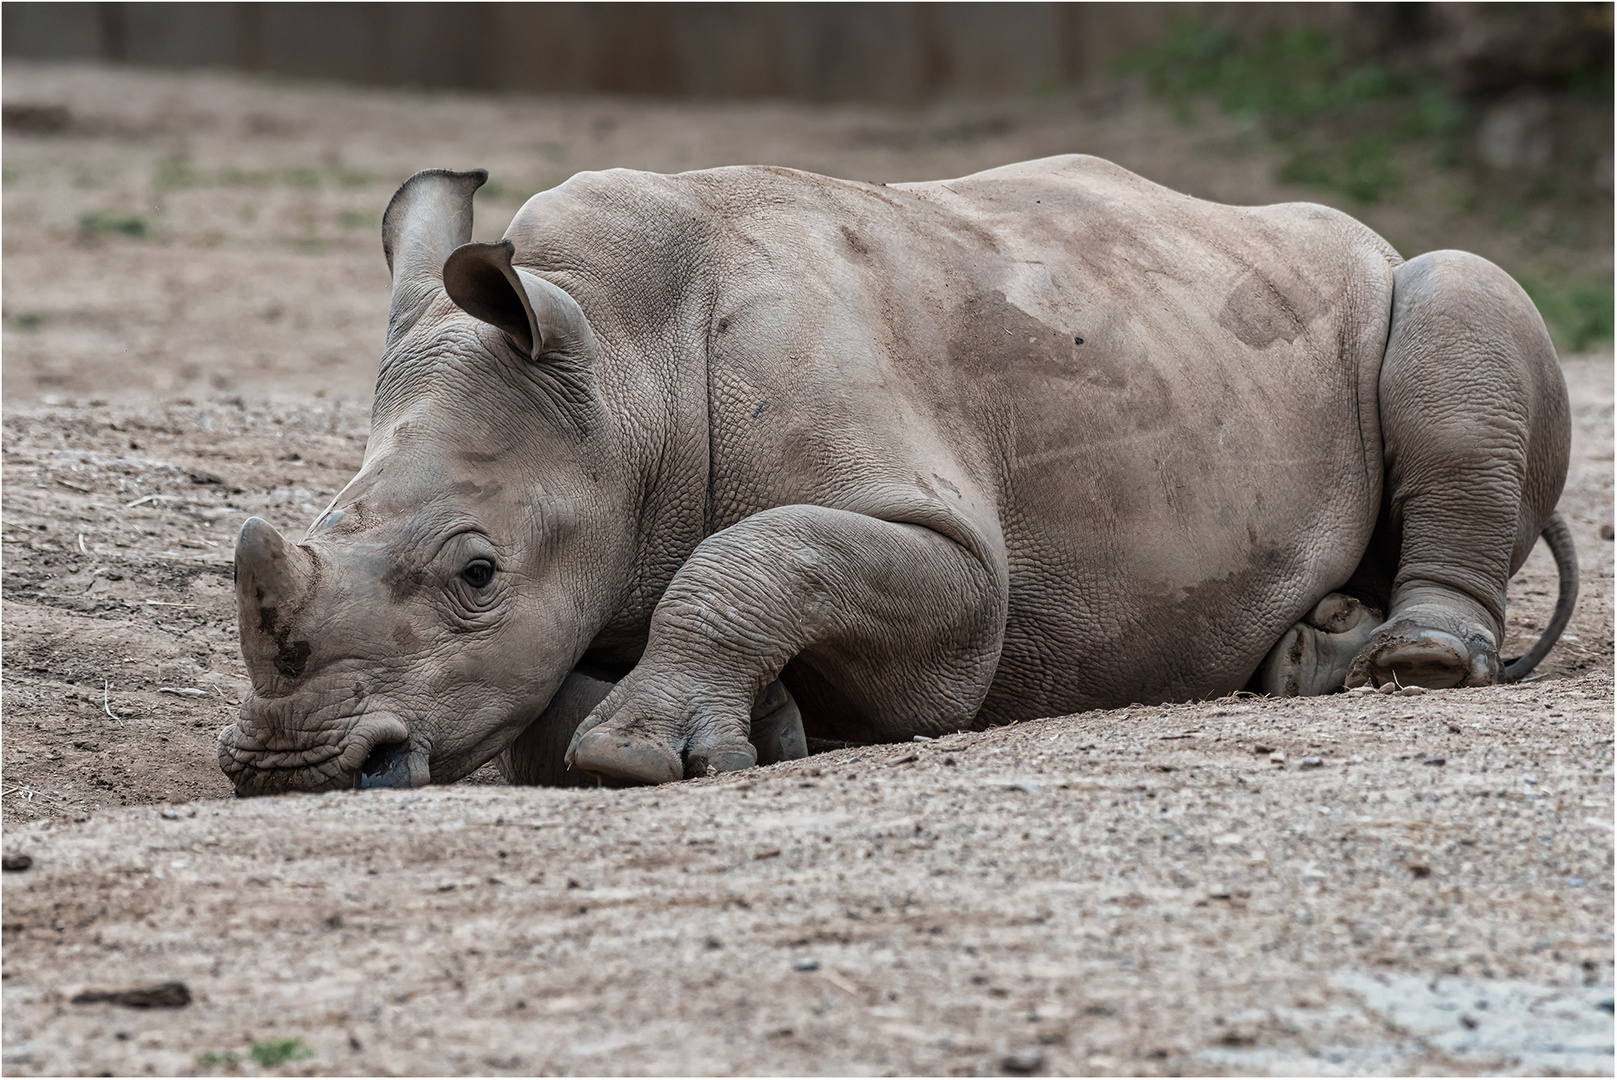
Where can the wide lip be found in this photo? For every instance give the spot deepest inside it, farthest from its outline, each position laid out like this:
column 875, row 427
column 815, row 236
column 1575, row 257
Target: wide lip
column 265, row 770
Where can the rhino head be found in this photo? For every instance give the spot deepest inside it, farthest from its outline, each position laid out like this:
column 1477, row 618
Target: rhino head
column 432, row 610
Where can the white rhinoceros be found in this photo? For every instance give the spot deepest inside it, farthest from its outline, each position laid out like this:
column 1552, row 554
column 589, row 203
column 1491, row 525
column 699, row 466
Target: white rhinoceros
column 739, row 446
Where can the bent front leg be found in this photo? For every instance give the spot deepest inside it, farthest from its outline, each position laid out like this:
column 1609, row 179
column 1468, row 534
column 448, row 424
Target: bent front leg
column 538, row 756
column 905, row 621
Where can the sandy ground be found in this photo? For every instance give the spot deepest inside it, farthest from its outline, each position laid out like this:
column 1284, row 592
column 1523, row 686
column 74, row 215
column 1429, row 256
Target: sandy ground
column 1144, row 891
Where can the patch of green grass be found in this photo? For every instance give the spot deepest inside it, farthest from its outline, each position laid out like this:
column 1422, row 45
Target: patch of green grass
column 359, row 219
column 273, row 1052
column 210, row 1060
column 97, row 223
column 175, row 172
column 1340, row 119
column 254, row 178
column 1579, row 315
column 27, row 321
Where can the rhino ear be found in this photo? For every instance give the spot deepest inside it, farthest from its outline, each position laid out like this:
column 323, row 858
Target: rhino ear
column 429, row 217
column 540, row 319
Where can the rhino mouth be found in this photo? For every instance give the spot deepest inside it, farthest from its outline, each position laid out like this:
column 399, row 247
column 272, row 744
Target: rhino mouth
column 375, row 752
column 388, row 765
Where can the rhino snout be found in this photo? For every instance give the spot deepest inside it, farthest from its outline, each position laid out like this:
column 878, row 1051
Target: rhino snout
column 375, row 752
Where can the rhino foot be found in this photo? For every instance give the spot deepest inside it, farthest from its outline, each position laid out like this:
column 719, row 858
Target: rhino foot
column 1427, row 645
column 777, row 726
column 641, row 736
column 1313, row 657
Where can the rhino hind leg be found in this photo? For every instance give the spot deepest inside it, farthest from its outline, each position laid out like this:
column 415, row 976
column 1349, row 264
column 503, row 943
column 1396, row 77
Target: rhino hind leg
column 1312, row 658
column 1476, row 434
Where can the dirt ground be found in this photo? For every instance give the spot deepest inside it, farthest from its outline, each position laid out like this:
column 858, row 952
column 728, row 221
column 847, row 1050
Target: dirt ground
column 194, row 299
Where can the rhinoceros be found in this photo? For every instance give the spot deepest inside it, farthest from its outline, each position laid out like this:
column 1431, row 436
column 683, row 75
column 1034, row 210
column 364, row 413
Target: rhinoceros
column 690, row 469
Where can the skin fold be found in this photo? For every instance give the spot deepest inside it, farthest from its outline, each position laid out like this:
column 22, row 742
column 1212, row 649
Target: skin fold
column 762, row 455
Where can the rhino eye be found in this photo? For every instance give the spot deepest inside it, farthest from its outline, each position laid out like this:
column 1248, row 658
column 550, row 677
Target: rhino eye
column 478, row 573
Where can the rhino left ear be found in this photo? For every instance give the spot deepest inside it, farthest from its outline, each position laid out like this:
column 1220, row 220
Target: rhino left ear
column 539, row 318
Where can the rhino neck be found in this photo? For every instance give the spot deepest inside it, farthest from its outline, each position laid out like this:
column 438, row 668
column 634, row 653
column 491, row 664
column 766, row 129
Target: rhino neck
column 660, row 410
column 633, row 250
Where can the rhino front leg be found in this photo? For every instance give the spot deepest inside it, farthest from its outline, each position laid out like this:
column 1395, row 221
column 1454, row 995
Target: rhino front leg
column 538, row 756
column 905, row 621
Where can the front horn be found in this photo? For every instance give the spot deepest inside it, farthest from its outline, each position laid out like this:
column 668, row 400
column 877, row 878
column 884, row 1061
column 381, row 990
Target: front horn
column 273, row 579
column 429, row 217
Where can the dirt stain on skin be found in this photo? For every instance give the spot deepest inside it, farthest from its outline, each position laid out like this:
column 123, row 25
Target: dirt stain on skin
column 474, row 490
column 1261, row 310
column 291, row 657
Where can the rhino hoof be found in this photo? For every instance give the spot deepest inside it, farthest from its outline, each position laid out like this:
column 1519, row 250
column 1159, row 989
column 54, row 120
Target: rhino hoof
column 713, row 762
column 1313, row 657
column 777, row 727
column 615, row 758
column 1407, row 655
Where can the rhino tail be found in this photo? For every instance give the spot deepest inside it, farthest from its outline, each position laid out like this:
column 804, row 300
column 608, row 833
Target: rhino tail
column 1559, row 539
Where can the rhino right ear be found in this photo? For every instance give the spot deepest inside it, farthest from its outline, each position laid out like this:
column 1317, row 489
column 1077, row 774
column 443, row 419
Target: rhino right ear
column 429, row 217
column 540, row 319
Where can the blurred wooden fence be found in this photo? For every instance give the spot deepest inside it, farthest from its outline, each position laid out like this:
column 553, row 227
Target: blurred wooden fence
column 896, row 52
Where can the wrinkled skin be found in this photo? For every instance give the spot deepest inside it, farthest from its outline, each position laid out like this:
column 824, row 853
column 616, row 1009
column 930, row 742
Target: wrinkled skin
column 750, row 445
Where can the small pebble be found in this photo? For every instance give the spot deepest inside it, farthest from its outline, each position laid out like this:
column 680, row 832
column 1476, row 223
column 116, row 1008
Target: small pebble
column 1387, row 688
column 1357, row 759
column 1311, row 762
column 1435, row 761
column 15, row 863
column 806, row 965
column 1413, row 691
column 1023, row 1062
column 170, row 813
column 1606, row 532
column 922, row 738
column 1278, row 757
column 1262, row 749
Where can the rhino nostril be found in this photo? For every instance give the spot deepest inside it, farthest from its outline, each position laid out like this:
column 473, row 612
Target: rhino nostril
column 387, row 766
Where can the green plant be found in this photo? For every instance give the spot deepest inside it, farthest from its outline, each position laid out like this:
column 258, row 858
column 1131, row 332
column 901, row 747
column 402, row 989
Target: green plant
column 1340, row 120
column 175, row 172
column 97, row 223
column 359, row 219
column 1579, row 315
column 210, row 1060
column 273, row 1052
column 27, row 321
